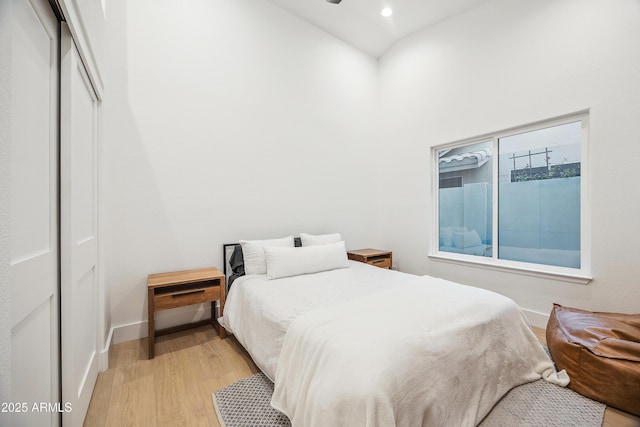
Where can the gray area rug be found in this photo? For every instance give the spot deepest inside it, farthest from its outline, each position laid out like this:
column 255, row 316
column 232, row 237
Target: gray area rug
column 246, row 403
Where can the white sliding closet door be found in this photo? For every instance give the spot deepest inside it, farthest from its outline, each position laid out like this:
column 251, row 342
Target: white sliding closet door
column 34, row 212
column 79, row 121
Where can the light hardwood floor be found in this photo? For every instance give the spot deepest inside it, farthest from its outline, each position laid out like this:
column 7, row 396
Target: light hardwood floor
column 174, row 389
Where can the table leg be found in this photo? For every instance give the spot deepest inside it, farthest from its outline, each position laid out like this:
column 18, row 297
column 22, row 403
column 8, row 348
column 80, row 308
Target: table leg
column 152, row 332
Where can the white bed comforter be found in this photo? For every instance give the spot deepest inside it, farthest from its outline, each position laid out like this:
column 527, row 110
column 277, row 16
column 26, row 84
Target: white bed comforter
column 429, row 352
column 258, row 311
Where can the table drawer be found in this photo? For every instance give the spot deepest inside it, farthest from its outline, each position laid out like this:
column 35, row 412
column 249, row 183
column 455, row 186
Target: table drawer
column 382, row 261
column 186, row 297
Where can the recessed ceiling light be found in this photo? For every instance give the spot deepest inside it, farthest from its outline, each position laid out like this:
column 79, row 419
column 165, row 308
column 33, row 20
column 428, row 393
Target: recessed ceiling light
column 386, row 12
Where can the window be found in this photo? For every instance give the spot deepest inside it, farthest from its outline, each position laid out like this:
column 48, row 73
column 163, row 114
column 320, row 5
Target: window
column 515, row 199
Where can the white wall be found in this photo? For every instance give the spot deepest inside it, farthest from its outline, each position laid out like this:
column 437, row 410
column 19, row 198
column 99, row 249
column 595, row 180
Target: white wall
column 5, row 199
column 508, row 63
column 230, row 120
column 227, row 120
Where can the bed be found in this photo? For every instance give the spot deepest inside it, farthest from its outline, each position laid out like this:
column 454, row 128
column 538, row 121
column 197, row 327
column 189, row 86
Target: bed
column 361, row 345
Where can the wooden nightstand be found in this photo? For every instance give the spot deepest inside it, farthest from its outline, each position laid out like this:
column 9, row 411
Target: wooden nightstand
column 382, row 259
column 181, row 288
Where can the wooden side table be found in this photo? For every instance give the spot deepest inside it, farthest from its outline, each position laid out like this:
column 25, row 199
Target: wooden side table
column 377, row 257
column 181, row 288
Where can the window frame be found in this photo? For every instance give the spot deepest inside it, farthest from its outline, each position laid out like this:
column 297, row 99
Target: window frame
column 580, row 275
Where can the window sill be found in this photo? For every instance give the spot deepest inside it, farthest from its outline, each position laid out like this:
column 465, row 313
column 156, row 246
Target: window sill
column 513, row 267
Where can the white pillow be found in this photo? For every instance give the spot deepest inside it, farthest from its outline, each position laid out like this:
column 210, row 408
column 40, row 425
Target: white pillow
column 319, row 239
column 253, row 253
column 285, row 262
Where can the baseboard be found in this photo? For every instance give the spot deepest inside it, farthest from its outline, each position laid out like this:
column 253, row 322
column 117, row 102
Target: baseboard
column 128, row 332
column 163, row 319
column 536, row 318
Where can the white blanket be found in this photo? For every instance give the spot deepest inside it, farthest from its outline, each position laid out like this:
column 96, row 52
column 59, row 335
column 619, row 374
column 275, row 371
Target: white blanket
column 258, row 311
column 430, row 352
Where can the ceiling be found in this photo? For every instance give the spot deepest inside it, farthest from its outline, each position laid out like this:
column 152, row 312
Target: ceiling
column 359, row 23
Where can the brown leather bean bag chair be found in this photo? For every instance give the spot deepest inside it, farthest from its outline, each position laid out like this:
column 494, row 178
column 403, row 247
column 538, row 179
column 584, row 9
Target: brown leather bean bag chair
column 600, row 352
